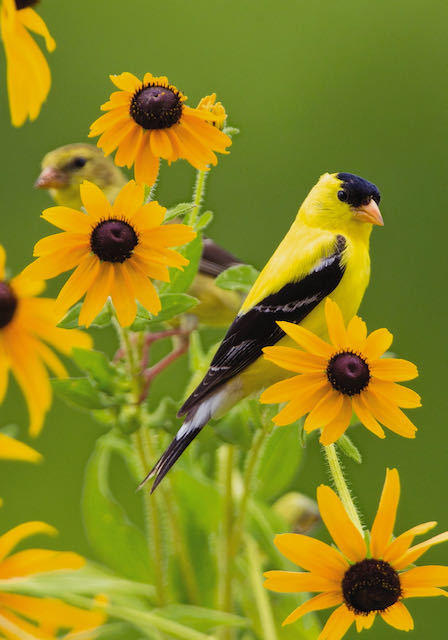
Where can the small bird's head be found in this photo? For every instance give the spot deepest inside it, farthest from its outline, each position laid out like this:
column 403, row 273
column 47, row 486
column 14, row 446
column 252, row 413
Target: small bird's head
column 65, row 168
column 342, row 201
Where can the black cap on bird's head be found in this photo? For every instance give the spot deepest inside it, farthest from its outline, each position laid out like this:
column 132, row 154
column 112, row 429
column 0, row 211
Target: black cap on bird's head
column 363, row 196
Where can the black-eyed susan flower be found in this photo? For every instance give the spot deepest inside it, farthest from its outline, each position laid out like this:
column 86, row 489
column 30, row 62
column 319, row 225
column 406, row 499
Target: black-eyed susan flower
column 361, row 579
column 340, row 378
column 116, row 249
column 149, row 120
column 208, row 103
column 28, row 74
column 27, row 327
column 33, row 617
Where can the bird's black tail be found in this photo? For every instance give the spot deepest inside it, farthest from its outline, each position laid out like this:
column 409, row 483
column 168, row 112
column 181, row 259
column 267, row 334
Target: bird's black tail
column 196, row 419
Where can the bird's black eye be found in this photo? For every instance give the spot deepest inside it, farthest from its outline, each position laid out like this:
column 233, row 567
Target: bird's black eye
column 342, row 195
column 79, row 162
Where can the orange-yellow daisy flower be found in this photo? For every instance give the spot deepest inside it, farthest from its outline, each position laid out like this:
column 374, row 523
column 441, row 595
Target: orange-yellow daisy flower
column 149, row 120
column 28, row 74
column 338, row 378
column 208, row 103
column 116, row 249
column 363, row 579
column 32, row 617
column 27, row 326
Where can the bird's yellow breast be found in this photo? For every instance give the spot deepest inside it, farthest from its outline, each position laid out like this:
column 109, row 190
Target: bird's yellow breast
column 348, row 295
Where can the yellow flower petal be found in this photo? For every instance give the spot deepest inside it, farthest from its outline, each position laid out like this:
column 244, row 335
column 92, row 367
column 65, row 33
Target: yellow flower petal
column 301, row 404
column 146, row 166
column 357, row 334
column 126, row 82
column 68, row 219
column 388, row 414
column 396, row 393
column 294, row 360
column 415, row 552
column 35, row 561
column 319, row 602
column 337, row 624
column 423, row 592
column 97, row 294
column 335, row 323
column 52, row 265
column 292, row 388
column 173, row 235
column 128, row 201
column 295, row 582
column 366, row 417
column 337, row 427
column 346, row 536
column 401, row 544
column 312, row 555
column 57, row 241
column 11, row 449
column 149, row 215
column 94, row 200
column 393, row 369
column 123, row 297
column 14, row 536
column 78, row 283
column 143, row 288
column 377, row 343
column 325, row 411
column 32, row 21
column 383, row 525
column 365, row 621
column 429, row 576
column 398, row 616
column 307, row 339
column 2, row 262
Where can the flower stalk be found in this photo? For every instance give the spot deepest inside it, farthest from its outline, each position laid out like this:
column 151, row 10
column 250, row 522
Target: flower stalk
column 340, row 483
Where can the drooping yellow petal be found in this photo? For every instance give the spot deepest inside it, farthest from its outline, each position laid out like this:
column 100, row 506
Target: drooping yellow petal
column 307, row 339
column 389, row 414
column 143, row 288
column 97, row 294
column 78, row 283
column 383, row 526
column 325, row 411
column 337, row 624
column 346, row 536
column 367, row 419
column 52, row 265
column 312, row 555
column 12, row 449
column 146, row 166
column 32, row 21
column 296, row 582
column 123, row 297
column 17, row 628
column 301, row 404
column 2, row 262
column 396, row 393
column 337, row 427
column 319, row 602
column 36, row 561
column 398, row 616
column 12, row 538
column 292, row 388
column 424, row 592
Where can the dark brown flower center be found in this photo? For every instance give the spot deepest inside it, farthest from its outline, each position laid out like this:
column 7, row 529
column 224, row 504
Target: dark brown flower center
column 156, row 107
column 348, row 373
column 113, row 240
column 370, row 585
column 8, row 304
column 22, row 4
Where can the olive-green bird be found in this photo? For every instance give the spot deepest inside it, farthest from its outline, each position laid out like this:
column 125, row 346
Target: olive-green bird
column 63, row 171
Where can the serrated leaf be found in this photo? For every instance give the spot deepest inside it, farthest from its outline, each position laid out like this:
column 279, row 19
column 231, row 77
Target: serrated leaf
column 79, row 392
column 117, row 541
column 279, row 462
column 182, row 280
column 240, row 277
column 179, row 210
column 173, row 304
column 97, row 366
column 204, row 220
column 346, row 445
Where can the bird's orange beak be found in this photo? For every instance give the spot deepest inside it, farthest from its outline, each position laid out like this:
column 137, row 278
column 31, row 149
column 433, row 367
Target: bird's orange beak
column 51, row 178
column 370, row 213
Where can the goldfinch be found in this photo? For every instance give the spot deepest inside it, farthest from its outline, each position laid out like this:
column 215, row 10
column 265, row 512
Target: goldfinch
column 63, row 171
column 325, row 253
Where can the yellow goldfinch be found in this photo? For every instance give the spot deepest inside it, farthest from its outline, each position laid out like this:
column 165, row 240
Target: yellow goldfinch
column 63, row 171
column 325, row 252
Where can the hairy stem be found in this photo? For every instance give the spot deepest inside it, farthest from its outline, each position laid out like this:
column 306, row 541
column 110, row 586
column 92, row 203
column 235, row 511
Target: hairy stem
column 198, row 196
column 261, row 596
column 341, row 485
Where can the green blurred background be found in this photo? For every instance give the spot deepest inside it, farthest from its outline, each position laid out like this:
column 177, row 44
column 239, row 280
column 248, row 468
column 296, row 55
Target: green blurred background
column 314, row 86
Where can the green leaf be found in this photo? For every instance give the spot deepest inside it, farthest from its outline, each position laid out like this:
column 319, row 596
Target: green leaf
column 201, row 618
column 97, row 366
column 204, row 220
column 182, row 280
column 231, row 131
column 235, row 427
column 70, row 320
column 173, row 304
column 279, row 462
column 240, row 277
column 117, row 541
column 346, row 445
column 179, row 210
column 79, row 392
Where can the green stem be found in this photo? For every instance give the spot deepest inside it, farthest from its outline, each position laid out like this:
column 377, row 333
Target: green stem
column 341, row 485
column 153, row 524
column 262, row 601
column 198, row 196
column 226, row 568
